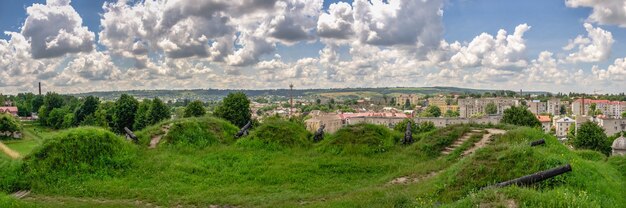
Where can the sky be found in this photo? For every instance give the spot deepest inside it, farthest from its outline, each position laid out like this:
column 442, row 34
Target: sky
column 102, row 45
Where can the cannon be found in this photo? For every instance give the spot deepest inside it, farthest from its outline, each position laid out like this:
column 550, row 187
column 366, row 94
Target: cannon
column 131, row 135
column 408, row 134
column 534, row 178
column 538, row 142
column 319, row 134
column 244, row 130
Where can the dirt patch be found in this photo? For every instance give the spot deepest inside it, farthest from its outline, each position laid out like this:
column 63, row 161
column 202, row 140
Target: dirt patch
column 412, row 178
column 484, row 141
column 8, row 151
column 157, row 138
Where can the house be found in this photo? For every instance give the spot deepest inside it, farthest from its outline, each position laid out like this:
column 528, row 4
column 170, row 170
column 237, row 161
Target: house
column 402, row 99
column 9, row 109
column 612, row 126
column 545, row 123
column 332, row 122
column 563, row 126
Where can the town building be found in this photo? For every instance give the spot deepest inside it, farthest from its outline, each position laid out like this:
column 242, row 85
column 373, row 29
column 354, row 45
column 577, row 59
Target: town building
column 473, row 106
column 9, row 109
column 403, row 98
column 606, row 107
column 443, row 122
column 612, row 126
column 563, row 126
column 332, row 122
column 546, row 123
column 537, row 107
column 442, row 104
column 554, row 106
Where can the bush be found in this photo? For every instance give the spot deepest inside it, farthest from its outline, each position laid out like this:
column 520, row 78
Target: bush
column 195, row 109
column 519, row 115
column 360, row 139
column 234, row 108
column 200, row 132
column 591, row 136
column 10, row 175
column 8, row 123
column 87, row 150
column 278, row 133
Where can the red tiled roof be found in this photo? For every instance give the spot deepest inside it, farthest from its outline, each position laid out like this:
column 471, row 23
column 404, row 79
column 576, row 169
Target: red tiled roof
column 543, row 119
column 10, row 109
column 589, row 101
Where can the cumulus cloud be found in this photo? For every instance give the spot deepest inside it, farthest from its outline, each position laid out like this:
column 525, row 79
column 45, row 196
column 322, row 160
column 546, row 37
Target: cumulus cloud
column 545, row 69
column 55, row 29
column 500, row 52
column 615, row 72
column 596, row 46
column 606, row 12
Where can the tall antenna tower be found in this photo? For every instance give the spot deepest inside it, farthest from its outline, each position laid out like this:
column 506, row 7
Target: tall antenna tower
column 290, row 99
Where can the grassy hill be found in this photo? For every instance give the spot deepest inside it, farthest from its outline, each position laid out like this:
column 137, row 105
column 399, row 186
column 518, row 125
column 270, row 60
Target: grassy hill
column 304, row 175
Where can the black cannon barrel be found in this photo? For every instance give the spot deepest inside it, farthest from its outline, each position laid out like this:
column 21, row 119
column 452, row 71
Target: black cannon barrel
column 131, row 134
column 244, row 130
column 535, row 177
column 538, row 142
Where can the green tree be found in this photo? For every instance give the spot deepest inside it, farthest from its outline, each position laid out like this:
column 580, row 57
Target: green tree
column 68, row 121
column 8, row 123
column 431, row 111
column 23, row 109
column 451, row 113
column 235, row 108
column 36, row 103
column 124, row 113
column 426, row 126
column 407, row 104
column 562, row 110
column 141, row 117
column 591, row 136
column 88, row 107
column 593, row 110
column 519, row 115
column 491, row 109
column 56, row 117
column 195, row 109
column 401, row 126
column 158, row 111
column 624, row 114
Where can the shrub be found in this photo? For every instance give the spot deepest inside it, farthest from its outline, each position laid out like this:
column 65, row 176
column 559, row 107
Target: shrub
column 591, row 136
column 195, row 109
column 278, row 133
column 360, row 139
column 519, row 115
column 234, row 108
column 8, row 123
column 88, row 150
column 200, row 132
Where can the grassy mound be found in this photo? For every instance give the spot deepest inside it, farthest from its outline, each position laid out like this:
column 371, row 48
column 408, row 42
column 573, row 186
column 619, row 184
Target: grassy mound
column 278, row 133
column 195, row 132
column 360, row 139
column 84, row 150
column 431, row 144
column 592, row 183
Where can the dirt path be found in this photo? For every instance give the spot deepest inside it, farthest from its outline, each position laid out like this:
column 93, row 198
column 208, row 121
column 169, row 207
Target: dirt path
column 412, row 178
column 459, row 142
column 157, row 138
column 484, row 141
column 8, row 151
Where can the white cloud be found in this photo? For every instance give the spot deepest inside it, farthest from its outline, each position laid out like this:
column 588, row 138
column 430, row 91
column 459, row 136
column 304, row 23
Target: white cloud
column 606, row 12
column 593, row 48
column 55, row 29
column 615, row 72
column 500, row 52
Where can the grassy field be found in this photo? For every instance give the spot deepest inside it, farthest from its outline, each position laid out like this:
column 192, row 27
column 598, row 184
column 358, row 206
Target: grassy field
column 250, row 176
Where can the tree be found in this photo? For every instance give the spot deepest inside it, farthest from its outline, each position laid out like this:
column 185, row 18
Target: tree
column 318, row 101
column 124, row 112
column 591, row 136
column 88, row 107
column 56, row 117
column 431, row 111
column 36, row 103
column 593, row 110
column 562, row 110
column 407, row 104
column 401, row 126
column 195, row 109
column 141, row 117
column 235, row 108
column 624, row 114
column 158, row 111
column 519, row 115
column 491, row 109
column 8, row 123
column 451, row 113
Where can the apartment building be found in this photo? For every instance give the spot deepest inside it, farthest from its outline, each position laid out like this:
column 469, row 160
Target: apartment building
column 472, row 106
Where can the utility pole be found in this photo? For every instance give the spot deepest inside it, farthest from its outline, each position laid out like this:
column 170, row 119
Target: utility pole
column 290, row 99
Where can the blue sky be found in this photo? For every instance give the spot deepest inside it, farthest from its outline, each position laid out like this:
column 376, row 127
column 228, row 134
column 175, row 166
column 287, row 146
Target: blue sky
column 283, row 54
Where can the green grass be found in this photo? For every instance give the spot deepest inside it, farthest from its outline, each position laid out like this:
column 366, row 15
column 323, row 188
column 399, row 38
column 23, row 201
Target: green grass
column 360, row 139
column 230, row 174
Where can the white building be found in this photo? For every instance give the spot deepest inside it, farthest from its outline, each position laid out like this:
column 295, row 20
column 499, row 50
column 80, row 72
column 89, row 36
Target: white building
column 563, row 125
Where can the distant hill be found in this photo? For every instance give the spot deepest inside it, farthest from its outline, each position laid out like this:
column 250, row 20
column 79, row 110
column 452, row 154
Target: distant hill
column 217, row 94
